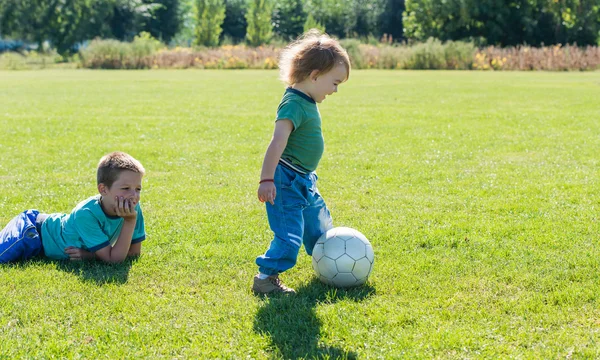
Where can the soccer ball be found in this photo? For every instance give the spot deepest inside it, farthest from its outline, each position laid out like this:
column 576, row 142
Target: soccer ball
column 343, row 257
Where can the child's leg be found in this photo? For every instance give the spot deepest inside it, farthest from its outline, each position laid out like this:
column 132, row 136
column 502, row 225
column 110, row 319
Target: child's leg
column 317, row 218
column 287, row 224
column 20, row 240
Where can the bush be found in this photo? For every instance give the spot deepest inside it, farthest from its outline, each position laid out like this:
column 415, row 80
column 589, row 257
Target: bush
column 114, row 54
column 32, row 60
column 394, row 57
column 459, row 55
column 145, row 45
column 225, row 57
column 105, row 54
column 142, row 48
column 353, row 47
column 428, row 55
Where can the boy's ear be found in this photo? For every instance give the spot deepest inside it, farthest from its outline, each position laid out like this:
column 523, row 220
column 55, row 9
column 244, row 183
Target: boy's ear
column 314, row 75
column 102, row 189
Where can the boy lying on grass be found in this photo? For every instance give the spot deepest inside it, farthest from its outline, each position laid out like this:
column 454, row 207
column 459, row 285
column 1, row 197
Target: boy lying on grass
column 108, row 226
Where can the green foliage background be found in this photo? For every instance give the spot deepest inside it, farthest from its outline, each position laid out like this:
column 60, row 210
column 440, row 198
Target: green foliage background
column 67, row 25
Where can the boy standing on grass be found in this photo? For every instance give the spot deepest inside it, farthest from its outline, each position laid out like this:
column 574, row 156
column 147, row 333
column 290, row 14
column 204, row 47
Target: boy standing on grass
column 108, row 226
column 313, row 67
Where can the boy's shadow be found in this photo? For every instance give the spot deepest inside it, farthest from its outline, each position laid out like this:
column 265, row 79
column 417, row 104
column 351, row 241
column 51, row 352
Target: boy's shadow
column 292, row 324
column 99, row 272
column 89, row 271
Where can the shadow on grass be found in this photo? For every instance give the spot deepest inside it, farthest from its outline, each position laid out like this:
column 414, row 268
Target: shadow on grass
column 292, row 324
column 93, row 271
column 99, row 272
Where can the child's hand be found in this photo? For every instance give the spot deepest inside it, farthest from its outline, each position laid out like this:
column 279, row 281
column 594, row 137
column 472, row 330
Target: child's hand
column 77, row 254
column 267, row 192
column 125, row 208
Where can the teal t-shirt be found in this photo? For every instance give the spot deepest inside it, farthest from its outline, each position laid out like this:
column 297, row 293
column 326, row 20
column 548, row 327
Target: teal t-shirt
column 305, row 145
column 86, row 227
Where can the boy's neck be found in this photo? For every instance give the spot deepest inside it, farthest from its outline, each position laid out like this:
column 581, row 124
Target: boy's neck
column 302, row 87
column 103, row 207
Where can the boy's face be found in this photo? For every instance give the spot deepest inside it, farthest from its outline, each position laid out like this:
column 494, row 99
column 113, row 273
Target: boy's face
column 327, row 83
column 128, row 187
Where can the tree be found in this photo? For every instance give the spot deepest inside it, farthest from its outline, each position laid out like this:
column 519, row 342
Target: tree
column 28, row 19
column 347, row 18
column 76, row 21
column 364, row 17
column 129, row 18
column 234, row 25
column 336, row 16
column 258, row 17
column 390, row 19
column 187, row 13
column 311, row 23
column 579, row 21
column 165, row 20
column 209, row 17
column 5, row 17
column 289, row 18
column 62, row 23
column 504, row 22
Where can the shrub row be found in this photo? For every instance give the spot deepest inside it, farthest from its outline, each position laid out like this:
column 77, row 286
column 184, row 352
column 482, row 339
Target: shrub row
column 553, row 58
column 32, row 60
column 148, row 53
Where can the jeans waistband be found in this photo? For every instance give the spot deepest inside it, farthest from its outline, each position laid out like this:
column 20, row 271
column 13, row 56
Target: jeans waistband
column 38, row 223
column 288, row 164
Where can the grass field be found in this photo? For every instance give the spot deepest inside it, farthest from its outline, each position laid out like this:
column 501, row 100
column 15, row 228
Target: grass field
column 478, row 190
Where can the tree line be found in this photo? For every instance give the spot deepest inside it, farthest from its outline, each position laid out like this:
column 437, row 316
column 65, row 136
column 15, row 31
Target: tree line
column 65, row 24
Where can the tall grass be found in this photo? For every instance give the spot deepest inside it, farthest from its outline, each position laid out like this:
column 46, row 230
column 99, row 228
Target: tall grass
column 33, row 60
column 148, row 53
column 114, row 54
column 556, row 58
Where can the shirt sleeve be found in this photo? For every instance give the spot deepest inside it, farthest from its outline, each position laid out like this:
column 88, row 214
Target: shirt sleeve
column 89, row 229
column 292, row 111
column 139, row 233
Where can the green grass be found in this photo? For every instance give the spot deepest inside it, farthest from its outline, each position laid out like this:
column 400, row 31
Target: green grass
column 478, row 190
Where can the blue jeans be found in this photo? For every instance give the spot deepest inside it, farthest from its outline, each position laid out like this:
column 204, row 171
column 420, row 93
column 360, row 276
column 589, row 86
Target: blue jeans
column 299, row 216
column 20, row 239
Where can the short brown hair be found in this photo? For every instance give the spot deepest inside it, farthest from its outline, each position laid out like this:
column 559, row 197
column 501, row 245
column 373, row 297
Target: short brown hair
column 312, row 51
column 113, row 164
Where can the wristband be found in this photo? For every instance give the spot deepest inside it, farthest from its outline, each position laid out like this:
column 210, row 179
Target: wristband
column 266, row 180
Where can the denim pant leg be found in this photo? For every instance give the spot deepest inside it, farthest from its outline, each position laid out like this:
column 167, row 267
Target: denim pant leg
column 286, row 222
column 20, row 240
column 317, row 218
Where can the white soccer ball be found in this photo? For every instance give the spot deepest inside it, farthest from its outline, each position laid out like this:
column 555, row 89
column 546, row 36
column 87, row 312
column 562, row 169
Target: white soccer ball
column 343, row 257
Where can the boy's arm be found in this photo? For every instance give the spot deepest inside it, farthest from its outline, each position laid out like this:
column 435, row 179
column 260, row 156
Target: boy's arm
column 283, row 129
column 76, row 254
column 118, row 252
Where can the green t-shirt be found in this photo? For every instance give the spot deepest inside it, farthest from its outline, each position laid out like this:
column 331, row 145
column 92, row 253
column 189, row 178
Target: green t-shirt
column 305, row 145
column 86, row 227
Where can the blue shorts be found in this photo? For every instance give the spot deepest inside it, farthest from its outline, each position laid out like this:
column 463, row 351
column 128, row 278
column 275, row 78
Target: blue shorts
column 20, row 239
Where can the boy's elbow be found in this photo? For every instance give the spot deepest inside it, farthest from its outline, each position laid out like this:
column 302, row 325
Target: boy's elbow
column 135, row 250
column 134, row 253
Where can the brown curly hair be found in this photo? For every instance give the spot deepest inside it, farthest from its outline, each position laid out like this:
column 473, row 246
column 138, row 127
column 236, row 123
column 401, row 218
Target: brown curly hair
column 312, row 51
